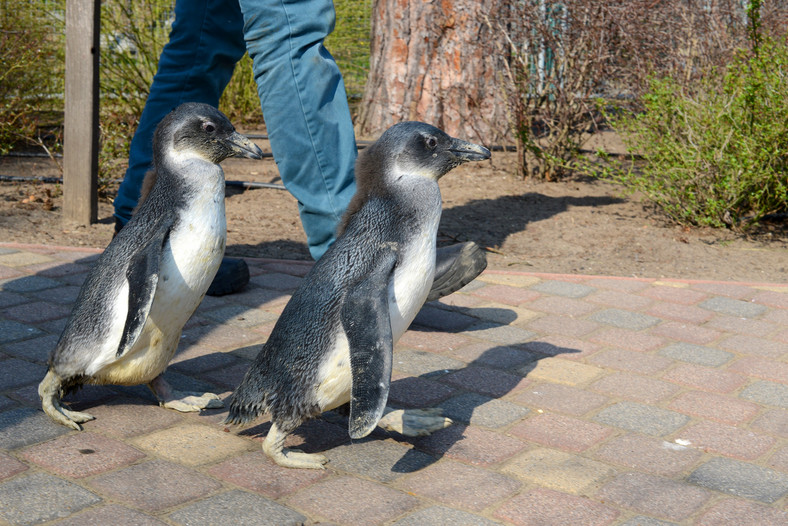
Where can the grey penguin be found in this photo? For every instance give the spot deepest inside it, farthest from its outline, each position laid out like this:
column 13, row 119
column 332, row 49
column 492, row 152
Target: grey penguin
column 127, row 319
column 333, row 342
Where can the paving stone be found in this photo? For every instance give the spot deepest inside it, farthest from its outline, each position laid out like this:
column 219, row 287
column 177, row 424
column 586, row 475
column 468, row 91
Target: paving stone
column 619, row 299
column 492, row 355
column 497, row 333
column 682, row 295
column 564, row 325
column 381, row 460
column 563, row 306
column 239, row 316
column 126, row 417
column 276, row 281
column 111, row 514
column 36, row 312
column 569, row 348
column 705, row 378
column 192, row 445
column 40, row 497
column 697, row 354
column 425, row 364
column 481, row 410
column 774, row 421
column 440, row 516
column 561, row 398
column 737, row 511
column 472, row 445
column 228, row 377
column 742, row 326
column 561, row 431
column 458, row 485
column 9, row 466
column 762, row 368
column 11, row 331
column 715, row 407
column 314, row 436
column 448, row 320
column 685, row 313
column 651, row 455
column 772, row 298
column 506, row 294
column 502, row 278
column 777, row 461
column 730, row 290
column 257, row 473
column 634, row 361
column 79, row 455
column 686, row 333
column 657, row 496
column 154, row 486
column 459, row 301
column 558, row 470
column 23, row 259
column 561, row 371
column 34, row 350
column 436, row 341
column 548, row 507
column 627, row 339
column 733, row 307
column 634, row 387
column 491, row 382
column 25, row 426
column 727, row 440
column 563, row 288
column 240, row 508
column 642, row 418
column 16, row 373
column 195, row 359
column 417, row 392
column 749, row 344
column 513, row 316
column 28, row 284
column 641, row 520
column 741, row 479
column 9, row 299
column 346, row 500
column 624, row 319
column 763, row 392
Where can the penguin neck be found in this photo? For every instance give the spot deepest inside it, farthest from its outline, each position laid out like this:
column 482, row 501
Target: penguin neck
column 194, row 173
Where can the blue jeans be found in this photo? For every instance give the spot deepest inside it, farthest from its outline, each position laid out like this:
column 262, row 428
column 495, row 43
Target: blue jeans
column 301, row 93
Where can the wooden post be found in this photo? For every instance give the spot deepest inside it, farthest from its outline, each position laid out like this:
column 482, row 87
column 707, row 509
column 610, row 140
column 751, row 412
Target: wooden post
column 81, row 133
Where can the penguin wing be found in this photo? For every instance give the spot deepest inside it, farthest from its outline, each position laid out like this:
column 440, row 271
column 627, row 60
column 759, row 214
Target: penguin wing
column 365, row 318
column 142, row 275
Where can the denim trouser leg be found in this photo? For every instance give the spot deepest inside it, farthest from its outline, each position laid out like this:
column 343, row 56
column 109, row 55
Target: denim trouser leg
column 195, row 66
column 305, row 108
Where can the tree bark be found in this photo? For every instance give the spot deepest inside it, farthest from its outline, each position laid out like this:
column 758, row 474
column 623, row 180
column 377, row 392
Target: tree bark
column 435, row 61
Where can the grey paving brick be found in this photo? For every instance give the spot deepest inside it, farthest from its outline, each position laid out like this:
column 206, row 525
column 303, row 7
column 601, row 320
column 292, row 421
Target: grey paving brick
column 739, row 308
column 111, row 514
column 654, row 496
column 239, row 508
column 770, row 393
column 624, row 319
column 11, row 331
column 40, row 497
column 24, row 426
column 741, row 479
column 4, row 251
column 642, row 520
column 8, row 299
column 425, row 364
column 698, row 354
column 35, row 349
column 440, row 516
column 481, row 410
column 563, row 288
column 29, row 284
column 276, row 281
column 505, row 334
column 381, row 460
column 642, row 418
column 16, row 373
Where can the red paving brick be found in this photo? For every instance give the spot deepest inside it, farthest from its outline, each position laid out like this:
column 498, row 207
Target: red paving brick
column 739, row 511
column 471, row 444
column 762, row 368
column 648, row 454
column 256, row 472
column 655, row 496
column 705, row 378
column 560, row 398
column 548, row 507
column 684, row 332
column 715, row 407
column 627, row 339
column 562, row 432
column 634, row 387
column 727, row 440
column 10, row 466
column 633, row 361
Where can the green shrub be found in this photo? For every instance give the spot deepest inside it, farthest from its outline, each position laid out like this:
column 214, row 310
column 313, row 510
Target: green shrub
column 717, row 156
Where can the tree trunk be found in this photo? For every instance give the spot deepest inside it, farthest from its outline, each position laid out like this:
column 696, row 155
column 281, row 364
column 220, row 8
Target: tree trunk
column 435, row 61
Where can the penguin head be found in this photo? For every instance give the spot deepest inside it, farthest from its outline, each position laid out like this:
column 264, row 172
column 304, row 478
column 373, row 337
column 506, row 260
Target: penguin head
column 417, row 148
column 199, row 130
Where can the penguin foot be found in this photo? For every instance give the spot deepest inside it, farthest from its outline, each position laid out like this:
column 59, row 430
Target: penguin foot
column 185, row 402
column 414, row 422
column 273, row 446
column 49, row 391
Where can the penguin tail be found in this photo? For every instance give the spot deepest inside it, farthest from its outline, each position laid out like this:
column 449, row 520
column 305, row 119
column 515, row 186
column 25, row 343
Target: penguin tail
column 245, row 406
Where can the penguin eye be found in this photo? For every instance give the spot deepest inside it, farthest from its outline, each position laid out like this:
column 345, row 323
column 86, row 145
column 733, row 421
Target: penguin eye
column 209, row 127
column 432, row 142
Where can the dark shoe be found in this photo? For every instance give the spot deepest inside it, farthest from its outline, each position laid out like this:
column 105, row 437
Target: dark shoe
column 232, row 276
column 455, row 267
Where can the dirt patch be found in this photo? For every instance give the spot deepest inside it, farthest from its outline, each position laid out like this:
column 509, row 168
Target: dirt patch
column 576, row 226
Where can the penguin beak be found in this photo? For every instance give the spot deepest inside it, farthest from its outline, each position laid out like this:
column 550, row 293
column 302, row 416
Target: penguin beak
column 467, row 151
column 243, row 147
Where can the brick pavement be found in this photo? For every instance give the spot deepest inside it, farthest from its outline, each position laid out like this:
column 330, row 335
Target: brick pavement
column 577, row 400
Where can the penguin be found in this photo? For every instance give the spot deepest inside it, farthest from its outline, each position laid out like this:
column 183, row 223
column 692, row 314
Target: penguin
column 333, row 342
column 127, row 320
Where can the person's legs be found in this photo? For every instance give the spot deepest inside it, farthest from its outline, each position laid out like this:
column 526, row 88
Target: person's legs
column 195, row 66
column 305, row 109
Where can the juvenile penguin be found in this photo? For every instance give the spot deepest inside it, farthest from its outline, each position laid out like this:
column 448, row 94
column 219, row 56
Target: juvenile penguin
column 127, row 320
column 334, row 341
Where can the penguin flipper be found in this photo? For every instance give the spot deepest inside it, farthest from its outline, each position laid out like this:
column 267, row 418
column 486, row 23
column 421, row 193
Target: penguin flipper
column 142, row 275
column 367, row 325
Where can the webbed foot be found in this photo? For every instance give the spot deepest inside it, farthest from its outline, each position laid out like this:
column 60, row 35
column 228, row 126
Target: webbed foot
column 414, row 422
column 50, row 390
column 290, row 458
column 183, row 401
